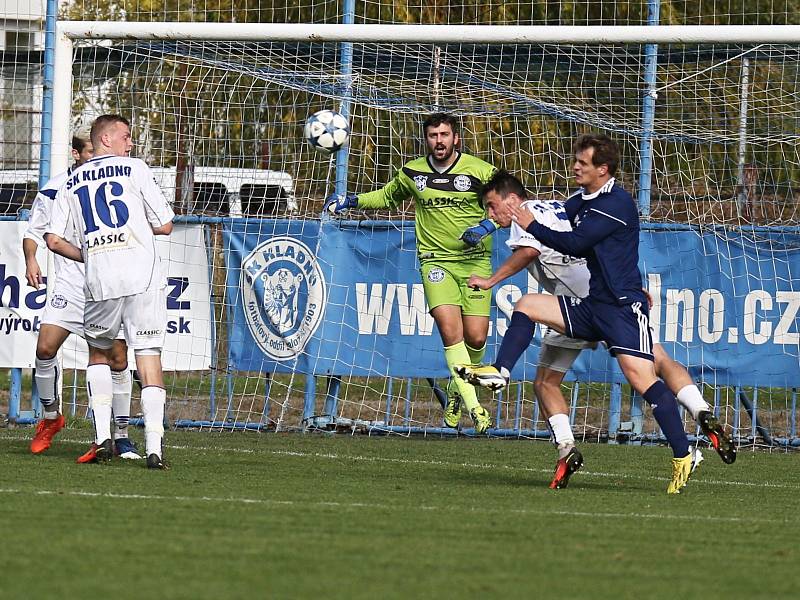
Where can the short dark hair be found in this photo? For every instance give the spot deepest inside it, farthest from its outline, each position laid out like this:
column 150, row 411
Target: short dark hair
column 79, row 142
column 101, row 123
column 437, row 119
column 503, row 184
column 606, row 151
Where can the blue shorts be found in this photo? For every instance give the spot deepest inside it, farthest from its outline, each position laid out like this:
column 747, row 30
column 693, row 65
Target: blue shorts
column 625, row 329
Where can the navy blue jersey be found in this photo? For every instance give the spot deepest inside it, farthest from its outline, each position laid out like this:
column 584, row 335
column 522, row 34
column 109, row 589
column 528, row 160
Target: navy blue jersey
column 605, row 232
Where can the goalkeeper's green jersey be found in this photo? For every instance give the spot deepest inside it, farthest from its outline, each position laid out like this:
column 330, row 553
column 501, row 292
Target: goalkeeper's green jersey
column 446, row 204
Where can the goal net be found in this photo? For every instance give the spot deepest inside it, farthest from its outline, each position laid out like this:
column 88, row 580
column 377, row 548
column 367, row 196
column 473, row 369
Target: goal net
column 708, row 133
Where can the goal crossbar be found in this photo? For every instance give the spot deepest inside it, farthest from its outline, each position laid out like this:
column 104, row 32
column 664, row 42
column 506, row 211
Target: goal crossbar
column 440, row 34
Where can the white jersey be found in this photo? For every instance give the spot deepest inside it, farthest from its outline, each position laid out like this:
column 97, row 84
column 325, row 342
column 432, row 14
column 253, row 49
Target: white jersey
column 113, row 202
column 557, row 273
column 68, row 275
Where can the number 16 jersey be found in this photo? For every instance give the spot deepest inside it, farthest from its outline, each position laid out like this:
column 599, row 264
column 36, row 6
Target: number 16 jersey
column 112, row 203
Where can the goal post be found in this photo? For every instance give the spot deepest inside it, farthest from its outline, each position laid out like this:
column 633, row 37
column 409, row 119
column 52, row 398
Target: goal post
column 722, row 104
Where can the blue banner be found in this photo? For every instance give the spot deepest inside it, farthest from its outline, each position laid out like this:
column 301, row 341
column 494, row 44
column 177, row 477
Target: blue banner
column 346, row 298
column 276, row 294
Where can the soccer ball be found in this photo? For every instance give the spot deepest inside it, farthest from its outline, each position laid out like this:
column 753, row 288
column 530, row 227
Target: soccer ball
column 327, row 131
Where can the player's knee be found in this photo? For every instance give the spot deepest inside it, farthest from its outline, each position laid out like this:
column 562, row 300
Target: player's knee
column 543, row 387
column 525, row 304
column 118, row 363
column 532, row 305
column 45, row 351
column 663, row 363
column 119, row 357
column 475, row 341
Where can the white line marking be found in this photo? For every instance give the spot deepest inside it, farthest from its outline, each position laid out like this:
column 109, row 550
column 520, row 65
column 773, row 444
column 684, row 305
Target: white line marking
column 697, row 479
column 394, row 507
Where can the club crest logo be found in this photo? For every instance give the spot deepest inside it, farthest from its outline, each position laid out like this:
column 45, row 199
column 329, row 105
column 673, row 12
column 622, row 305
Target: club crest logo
column 462, row 183
column 436, row 275
column 283, row 296
column 421, row 181
column 58, row 301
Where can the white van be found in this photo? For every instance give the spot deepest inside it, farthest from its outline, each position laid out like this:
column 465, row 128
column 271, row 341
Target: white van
column 216, row 191
column 18, row 188
column 234, row 192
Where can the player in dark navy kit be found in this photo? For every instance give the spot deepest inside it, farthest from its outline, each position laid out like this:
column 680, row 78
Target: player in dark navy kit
column 606, row 232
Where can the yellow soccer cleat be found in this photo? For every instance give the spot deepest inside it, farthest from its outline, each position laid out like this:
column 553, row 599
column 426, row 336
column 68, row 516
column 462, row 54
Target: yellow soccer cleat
column 481, row 418
column 483, row 375
column 452, row 410
column 682, row 469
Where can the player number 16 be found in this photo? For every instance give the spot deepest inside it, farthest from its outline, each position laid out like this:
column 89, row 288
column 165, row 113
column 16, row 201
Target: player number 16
column 102, row 207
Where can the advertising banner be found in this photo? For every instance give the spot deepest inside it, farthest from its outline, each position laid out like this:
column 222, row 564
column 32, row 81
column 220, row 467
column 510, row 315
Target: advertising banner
column 189, row 327
column 346, row 298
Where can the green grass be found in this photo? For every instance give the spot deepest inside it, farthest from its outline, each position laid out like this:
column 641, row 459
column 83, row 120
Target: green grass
column 294, row 516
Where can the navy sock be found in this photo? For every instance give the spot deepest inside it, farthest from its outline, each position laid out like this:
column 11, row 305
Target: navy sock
column 515, row 341
column 665, row 411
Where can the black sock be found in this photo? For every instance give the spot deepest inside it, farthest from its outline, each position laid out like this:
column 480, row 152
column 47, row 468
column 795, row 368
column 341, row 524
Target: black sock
column 515, row 341
column 665, row 411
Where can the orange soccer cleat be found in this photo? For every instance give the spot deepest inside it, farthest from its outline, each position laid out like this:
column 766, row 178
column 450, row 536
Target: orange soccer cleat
column 45, row 432
column 565, row 467
column 97, row 453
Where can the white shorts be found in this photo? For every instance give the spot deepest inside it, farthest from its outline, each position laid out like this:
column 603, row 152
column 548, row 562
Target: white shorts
column 64, row 310
column 143, row 317
column 552, row 338
column 557, row 358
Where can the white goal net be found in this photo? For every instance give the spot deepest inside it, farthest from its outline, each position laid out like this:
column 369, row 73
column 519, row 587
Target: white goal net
column 710, row 150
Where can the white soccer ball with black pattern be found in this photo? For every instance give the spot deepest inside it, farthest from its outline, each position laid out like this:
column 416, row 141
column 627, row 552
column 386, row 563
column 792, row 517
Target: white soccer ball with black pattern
column 327, row 131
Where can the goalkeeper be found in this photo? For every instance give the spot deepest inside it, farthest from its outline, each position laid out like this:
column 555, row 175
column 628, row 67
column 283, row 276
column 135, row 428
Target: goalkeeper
column 445, row 185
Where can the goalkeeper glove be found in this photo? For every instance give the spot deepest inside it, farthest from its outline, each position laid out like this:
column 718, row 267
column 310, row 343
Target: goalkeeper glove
column 336, row 203
column 473, row 236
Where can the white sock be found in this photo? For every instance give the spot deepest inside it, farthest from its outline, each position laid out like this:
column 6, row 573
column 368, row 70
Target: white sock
column 121, row 402
column 46, row 379
column 153, row 399
column 562, row 431
column 692, row 400
column 98, row 384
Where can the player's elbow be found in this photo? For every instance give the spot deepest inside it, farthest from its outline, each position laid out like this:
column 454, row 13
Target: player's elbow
column 526, row 253
column 53, row 241
column 164, row 229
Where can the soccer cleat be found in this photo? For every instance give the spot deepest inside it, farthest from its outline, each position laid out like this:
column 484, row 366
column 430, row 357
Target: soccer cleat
column 481, row 418
column 721, row 441
column 45, row 432
column 681, row 470
column 154, row 461
column 104, row 451
column 452, row 410
column 90, row 456
column 483, row 375
column 97, row 453
column 565, row 467
column 125, row 448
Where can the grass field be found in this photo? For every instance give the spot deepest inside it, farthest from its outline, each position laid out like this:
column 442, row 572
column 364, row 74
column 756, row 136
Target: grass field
column 304, row 516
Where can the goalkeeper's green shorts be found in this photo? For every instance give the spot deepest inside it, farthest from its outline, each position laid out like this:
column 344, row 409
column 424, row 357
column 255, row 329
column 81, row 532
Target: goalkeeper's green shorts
column 446, row 283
